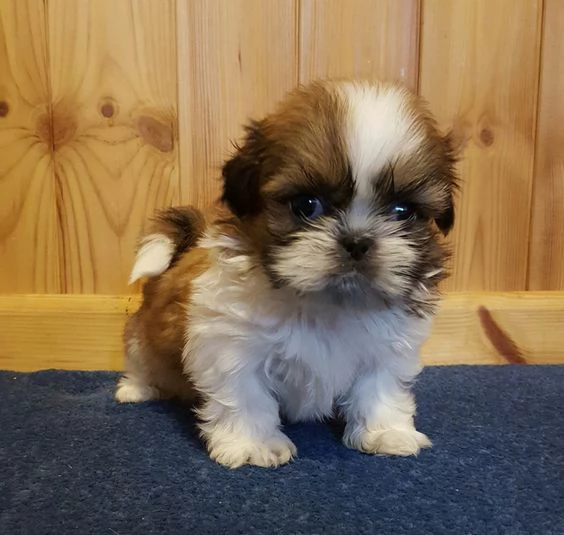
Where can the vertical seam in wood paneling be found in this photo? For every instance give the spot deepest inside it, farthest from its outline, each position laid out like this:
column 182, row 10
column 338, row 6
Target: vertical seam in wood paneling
column 176, row 126
column 298, row 40
column 540, row 48
column 61, row 256
column 419, row 29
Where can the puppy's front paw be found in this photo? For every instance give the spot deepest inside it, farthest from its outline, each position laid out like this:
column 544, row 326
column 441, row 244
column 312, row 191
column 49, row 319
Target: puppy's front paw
column 234, row 451
column 401, row 442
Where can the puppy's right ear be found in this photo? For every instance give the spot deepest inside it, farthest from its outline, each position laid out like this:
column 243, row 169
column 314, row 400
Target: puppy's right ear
column 242, row 175
column 450, row 153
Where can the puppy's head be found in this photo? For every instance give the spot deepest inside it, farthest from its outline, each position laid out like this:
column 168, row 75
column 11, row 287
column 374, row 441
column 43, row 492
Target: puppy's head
column 345, row 188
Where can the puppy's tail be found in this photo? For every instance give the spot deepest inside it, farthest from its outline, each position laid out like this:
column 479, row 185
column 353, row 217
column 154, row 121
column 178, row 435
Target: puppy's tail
column 173, row 231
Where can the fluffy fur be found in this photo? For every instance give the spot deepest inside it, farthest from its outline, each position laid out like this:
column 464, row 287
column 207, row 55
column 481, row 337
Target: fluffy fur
column 310, row 296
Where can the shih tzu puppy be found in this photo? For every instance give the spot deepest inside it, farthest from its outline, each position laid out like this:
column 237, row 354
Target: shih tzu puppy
column 311, row 291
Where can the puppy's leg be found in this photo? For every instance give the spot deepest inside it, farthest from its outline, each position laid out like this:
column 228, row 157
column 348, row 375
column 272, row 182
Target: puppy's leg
column 135, row 386
column 379, row 416
column 240, row 419
column 151, row 373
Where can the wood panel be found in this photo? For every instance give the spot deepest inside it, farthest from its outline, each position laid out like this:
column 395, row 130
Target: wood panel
column 359, row 38
column 69, row 332
column 82, row 332
column 113, row 76
column 89, row 137
column 236, row 59
column 479, row 70
column 29, row 206
column 498, row 328
column 546, row 254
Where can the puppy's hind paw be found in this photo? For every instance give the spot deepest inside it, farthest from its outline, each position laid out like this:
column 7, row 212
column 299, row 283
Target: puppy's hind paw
column 131, row 391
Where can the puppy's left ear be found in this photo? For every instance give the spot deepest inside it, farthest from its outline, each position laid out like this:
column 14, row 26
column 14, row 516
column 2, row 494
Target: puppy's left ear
column 242, row 175
column 449, row 158
column 445, row 221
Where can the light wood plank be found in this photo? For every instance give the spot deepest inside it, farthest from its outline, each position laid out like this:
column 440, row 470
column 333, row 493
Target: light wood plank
column 71, row 332
column 236, row 59
column 479, row 70
column 84, row 332
column 113, row 74
column 30, row 204
column 498, row 327
column 359, row 39
column 546, row 255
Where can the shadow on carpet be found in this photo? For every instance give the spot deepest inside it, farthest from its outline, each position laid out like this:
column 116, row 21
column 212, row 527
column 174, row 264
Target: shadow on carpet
column 74, row 461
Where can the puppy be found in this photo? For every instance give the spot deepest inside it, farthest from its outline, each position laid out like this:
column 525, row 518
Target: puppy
column 313, row 288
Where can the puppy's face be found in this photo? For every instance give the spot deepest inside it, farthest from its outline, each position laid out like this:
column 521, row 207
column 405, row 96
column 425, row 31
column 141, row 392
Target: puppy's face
column 344, row 189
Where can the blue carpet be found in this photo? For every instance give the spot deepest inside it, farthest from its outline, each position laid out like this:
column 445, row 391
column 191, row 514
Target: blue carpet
column 73, row 461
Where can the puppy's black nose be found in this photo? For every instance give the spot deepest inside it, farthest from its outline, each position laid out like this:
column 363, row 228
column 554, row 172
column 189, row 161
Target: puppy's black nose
column 357, row 247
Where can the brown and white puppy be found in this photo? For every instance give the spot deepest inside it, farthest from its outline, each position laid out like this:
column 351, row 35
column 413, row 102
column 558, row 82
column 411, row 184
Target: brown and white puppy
column 313, row 293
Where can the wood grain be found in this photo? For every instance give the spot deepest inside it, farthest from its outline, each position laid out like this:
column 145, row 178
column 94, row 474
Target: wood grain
column 486, row 327
column 83, row 332
column 479, row 70
column 71, row 332
column 113, row 76
column 360, row 39
column 236, row 59
column 546, row 254
column 29, row 208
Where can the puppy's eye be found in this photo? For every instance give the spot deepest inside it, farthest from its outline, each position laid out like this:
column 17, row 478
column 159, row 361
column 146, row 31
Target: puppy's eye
column 403, row 211
column 307, row 207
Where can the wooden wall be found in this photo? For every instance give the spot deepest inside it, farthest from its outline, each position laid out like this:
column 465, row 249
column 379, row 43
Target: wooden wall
column 111, row 108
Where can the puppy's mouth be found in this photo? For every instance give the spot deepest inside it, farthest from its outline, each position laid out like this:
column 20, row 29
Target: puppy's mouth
column 352, row 280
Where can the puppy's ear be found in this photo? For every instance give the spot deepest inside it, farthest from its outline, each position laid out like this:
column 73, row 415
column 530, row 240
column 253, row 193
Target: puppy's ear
column 449, row 158
column 445, row 221
column 242, row 175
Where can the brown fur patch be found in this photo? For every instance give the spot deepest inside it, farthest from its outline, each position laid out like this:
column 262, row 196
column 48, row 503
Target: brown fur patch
column 296, row 150
column 156, row 331
column 428, row 177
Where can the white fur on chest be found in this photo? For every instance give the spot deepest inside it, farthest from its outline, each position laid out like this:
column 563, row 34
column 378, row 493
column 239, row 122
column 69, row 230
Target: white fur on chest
column 321, row 353
column 307, row 351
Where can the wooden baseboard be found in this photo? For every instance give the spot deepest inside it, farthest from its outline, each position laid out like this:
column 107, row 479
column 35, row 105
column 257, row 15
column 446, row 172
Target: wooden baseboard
column 83, row 332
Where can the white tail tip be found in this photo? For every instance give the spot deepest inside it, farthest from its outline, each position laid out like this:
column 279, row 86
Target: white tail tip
column 153, row 257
